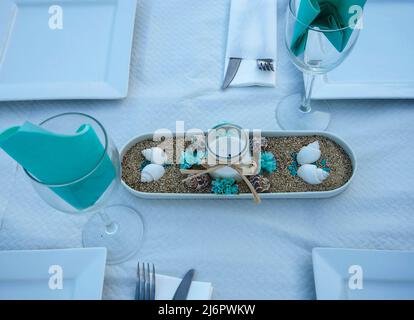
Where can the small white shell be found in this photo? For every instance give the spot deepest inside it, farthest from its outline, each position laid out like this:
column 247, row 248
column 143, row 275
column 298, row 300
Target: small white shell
column 312, row 174
column 155, row 155
column 309, row 154
column 152, row 172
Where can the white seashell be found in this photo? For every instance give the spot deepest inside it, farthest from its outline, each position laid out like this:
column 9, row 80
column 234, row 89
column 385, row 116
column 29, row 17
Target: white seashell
column 152, row 172
column 155, row 155
column 309, row 154
column 312, row 174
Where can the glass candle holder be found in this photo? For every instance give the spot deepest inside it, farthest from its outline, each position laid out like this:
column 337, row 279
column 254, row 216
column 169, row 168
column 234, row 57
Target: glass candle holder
column 229, row 144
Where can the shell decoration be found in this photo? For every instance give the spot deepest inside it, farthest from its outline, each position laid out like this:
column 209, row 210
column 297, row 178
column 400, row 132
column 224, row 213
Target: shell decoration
column 257, row 144
column 294, row 166
column 224, row 186
column 155, row 155
column 152, row 172
column 260, row 183
column 268, row 162
column 312, row 174
column 309, row 154
column 199, row 183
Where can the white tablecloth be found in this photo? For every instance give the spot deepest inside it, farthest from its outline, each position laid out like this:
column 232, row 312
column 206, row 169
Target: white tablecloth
column 246, row 251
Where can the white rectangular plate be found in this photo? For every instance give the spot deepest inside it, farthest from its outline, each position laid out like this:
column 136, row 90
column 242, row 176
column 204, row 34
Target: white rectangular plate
column 26, row 274
column 382, row 274
column 381, row 64
column 87, row 59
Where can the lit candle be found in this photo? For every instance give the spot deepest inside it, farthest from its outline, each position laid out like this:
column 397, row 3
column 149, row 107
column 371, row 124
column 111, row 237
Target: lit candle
column 228, row 144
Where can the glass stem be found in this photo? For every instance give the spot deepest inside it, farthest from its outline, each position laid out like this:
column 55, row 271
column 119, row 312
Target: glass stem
column 306, row 101
column 5, row 202
column 111, row 227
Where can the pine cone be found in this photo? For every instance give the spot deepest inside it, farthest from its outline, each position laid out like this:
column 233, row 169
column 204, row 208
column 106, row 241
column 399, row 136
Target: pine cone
column 260, row 183
column 199, row 183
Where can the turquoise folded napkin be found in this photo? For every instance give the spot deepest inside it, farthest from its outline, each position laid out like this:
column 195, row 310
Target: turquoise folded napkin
column 326, row 15
column 56, row 159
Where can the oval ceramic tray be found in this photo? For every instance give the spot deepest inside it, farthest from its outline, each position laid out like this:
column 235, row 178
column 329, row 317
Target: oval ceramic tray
column 279, row 195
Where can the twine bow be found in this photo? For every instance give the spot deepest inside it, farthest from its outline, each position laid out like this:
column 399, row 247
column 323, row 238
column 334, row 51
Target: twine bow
column 239, row 170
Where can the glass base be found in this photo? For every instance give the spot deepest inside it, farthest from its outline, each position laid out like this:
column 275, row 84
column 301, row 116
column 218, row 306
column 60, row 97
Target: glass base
column 290, row 117
column 122, row 237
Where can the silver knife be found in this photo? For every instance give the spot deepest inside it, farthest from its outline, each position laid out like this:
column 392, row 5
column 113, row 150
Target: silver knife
column 232, row 69
column 184, row 287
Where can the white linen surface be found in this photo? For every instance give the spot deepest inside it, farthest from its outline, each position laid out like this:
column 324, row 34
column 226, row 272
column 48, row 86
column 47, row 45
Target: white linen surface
column 252, row 35
column 244, row 250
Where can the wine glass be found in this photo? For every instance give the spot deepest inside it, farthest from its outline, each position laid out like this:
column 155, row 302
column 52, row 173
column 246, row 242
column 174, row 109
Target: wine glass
column 118, row 228
column 315, row 57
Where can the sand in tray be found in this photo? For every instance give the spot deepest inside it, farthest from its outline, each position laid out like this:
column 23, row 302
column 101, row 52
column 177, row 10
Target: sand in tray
column 281, row 180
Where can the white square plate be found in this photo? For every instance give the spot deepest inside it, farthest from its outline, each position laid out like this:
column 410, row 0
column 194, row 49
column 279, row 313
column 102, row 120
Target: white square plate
column 382, row 274
column 381, row 64
column 25, row 274
column 87, row 59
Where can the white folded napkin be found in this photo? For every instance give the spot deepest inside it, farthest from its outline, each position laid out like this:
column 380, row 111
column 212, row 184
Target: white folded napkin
column 252, row 35
column 166, row 287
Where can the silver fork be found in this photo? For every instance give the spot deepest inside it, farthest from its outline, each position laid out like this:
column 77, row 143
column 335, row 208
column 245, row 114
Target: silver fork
column 145, row 289
column 265, row 64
